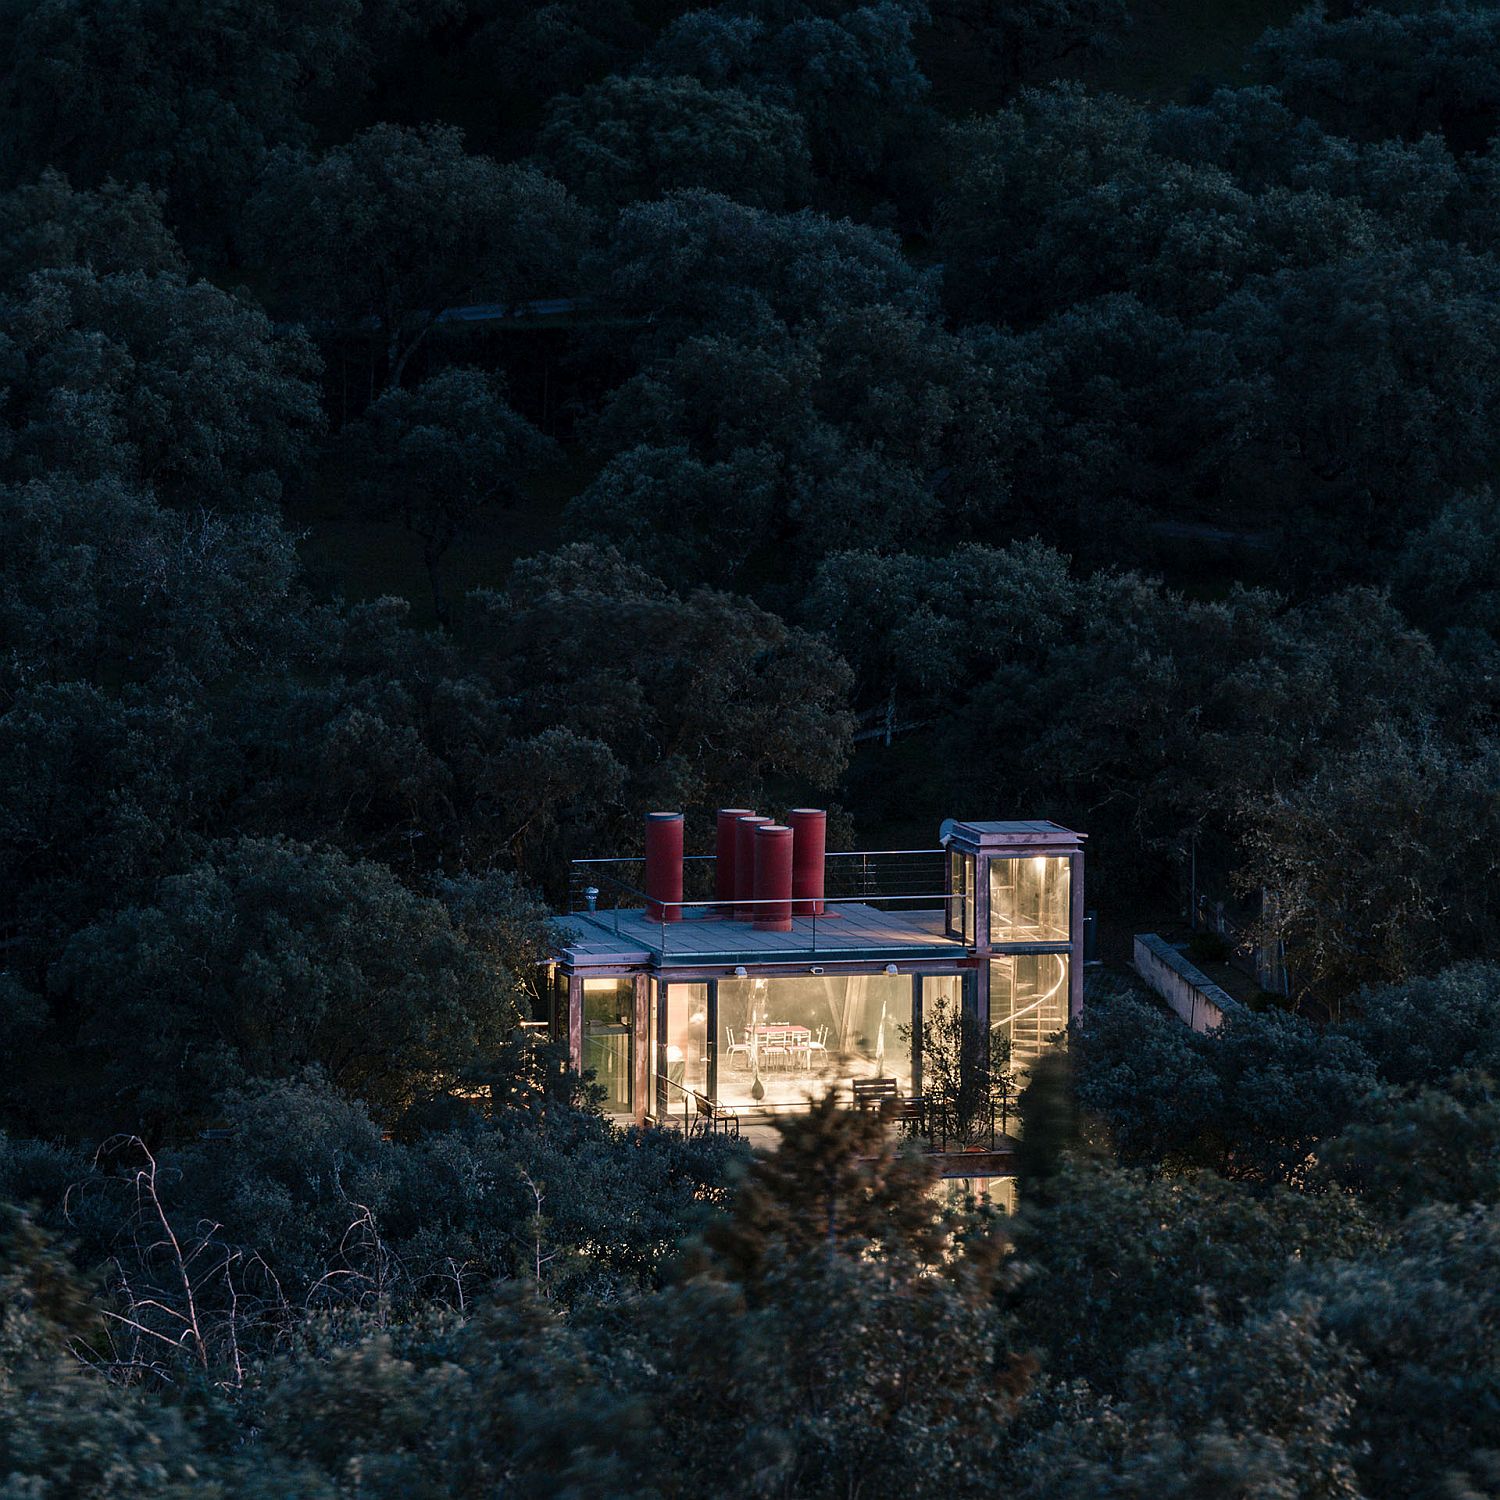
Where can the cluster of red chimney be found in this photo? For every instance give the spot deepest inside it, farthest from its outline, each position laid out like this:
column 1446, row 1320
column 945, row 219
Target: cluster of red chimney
column 763, row 871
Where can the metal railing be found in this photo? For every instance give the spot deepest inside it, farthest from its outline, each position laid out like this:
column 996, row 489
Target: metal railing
column 847, row 873
column 941, row 1125
column 606, row 900
column 700, row 1115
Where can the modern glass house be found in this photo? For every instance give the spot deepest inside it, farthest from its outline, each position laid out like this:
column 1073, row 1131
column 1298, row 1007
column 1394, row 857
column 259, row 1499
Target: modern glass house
column 772, row 970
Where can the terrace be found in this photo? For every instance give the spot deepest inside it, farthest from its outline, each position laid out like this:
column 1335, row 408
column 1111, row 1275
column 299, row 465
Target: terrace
column 886, row 903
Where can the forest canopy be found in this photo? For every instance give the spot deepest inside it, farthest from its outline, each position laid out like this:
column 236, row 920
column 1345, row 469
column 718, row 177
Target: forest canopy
column 434, row 436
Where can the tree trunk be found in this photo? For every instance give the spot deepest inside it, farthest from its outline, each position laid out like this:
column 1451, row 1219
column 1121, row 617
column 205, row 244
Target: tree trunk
column 432, row 556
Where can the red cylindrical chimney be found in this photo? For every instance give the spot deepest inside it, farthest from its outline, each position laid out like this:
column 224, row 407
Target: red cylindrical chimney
column 726, row 887
column 773, row 878
column 664, row 866
column 744, row 864
column 809, row 840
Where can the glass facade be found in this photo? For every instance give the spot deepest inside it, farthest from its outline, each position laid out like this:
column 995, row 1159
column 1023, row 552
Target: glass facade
column 961, row 883
column 785, row 1039
column 685, row 1038
column 1030, row 899
column 1028, row 1003
column 655, row 1102
column 959, row 1192
column 608, row 1039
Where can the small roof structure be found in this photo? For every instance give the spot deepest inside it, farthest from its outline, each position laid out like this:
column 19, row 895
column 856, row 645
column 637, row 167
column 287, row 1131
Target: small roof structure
column 1039, row 833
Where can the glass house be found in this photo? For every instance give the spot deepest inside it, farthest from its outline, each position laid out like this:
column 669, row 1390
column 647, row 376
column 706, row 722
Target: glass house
column 754, row 983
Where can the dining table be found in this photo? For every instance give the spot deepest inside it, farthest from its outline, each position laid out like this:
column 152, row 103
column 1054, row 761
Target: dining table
column 795, row 1042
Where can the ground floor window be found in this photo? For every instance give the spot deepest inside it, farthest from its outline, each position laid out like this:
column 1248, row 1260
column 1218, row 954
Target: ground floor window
column 784, row 1039
column 685, row 1037
column 961, row 1192
column 609, row 1040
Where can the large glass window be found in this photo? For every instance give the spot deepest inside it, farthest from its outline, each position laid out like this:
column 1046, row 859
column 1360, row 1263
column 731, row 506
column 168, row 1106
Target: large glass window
column 655, row 1102
column 1030, row 899
column 964, row 1192
column 961, row 896
column 608, row 1039
column 785, row 1040
column 686, row 1038
column 1028, row 1004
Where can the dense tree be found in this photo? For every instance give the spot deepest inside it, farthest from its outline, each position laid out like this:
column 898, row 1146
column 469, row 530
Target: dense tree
column 438, row 457
column 1273, row 1416
column 47, row 223
column 1411, row 1148
column 1404, row 69
column 398, row 225
column 665, row 508
column 184, row 98
column 1065, row 688
column 1018, row 39
column 66, row 854
column 1063, row 198
column 1251, row 1101
column 630, row 139
column 158, row 381
column 535, row 53
column 1420, row 1319
column 701, row 697
column 267, row 957
column 1362, row 395
column 1445, row 577
column 697, row 262
column 65, row 1430
column 103, row 582
column 1423, row 1030
column 849, row 71
column 1121, row 1260
column 875, row 428
column 1378, row 865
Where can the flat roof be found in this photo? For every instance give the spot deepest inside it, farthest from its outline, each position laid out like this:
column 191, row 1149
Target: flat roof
column 1032, row 832
column 857, row 931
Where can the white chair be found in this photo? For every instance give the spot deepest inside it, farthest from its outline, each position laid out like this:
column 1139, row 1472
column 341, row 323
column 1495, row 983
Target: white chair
column 737, row 1049
column 775, row 1050
column 817, row 1045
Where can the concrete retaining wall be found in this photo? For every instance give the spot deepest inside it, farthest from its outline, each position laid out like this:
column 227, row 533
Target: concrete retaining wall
column 1192, row 995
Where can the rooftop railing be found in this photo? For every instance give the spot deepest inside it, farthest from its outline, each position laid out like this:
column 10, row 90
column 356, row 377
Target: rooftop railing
column 866, row 875
column 897, row 882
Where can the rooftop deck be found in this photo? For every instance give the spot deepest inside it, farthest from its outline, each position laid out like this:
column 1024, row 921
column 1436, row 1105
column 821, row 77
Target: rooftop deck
column 878, row 905
column 848, row 930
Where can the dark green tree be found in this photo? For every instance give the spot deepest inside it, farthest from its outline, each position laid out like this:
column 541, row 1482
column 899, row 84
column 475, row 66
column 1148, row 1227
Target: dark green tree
column 1403, row 69
column 398, row 225
column 630, row 139
column 1018, row 40
column 47, row 224
column 440, row 457
column 185, row 98
column 263, row 959
column 157, row 381
column 104, row 584
column 696, row 261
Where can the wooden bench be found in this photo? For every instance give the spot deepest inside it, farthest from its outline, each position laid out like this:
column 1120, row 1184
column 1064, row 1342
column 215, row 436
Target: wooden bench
column 874, row 1091
column 884, row 1094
